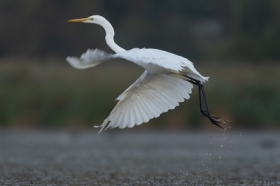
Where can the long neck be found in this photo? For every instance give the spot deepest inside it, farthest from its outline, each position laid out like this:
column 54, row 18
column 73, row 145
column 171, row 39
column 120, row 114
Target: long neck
column 110, row 37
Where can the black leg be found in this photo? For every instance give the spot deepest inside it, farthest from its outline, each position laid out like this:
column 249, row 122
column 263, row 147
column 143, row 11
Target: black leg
column 204, row 97
column 205, row 112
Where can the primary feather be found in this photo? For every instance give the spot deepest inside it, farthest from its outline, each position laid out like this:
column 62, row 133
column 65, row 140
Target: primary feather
column 89, row 59
column 147, row 98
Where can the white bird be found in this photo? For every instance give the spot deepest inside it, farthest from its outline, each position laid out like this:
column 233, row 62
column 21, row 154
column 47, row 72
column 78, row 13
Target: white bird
column 167, row 80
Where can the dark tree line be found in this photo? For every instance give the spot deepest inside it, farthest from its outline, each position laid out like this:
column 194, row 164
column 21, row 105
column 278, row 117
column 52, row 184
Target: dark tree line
column 198, row 29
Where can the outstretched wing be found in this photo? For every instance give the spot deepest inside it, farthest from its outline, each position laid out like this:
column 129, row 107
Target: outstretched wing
column 147, row 98
column 89, row 59
column 153, row 60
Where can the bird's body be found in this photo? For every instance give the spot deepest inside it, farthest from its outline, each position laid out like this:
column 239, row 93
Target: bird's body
column 167, row 80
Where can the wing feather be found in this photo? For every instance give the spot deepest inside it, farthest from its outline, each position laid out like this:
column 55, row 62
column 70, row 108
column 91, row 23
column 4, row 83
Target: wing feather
column 164, row 99
column 176, row 94
column 179, row 91
column 118, row 119
column 170, row 89
column 147, row 98
column 156, row 101
column 125, row 120
column 89, row 59
column 154, row 112
column 138, row 113
column 143, row 116
column 132, row 120
column 146, row 108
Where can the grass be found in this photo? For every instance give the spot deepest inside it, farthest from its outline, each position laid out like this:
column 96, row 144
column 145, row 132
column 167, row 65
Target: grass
column 52, row 94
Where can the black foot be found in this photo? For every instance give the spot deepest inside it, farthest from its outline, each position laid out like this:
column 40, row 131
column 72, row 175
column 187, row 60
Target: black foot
column 214, row 120
column 203, row 102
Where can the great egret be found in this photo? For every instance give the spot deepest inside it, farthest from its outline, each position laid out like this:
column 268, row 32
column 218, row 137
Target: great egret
column 167, row 80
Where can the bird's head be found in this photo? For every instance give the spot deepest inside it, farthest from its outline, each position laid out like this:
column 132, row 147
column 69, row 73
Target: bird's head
column 91, row 19
column 97, row 19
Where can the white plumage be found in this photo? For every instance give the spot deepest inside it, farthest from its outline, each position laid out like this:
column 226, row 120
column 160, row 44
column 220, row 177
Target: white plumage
column 147, row 98
column 160, row 88
column 89, row 59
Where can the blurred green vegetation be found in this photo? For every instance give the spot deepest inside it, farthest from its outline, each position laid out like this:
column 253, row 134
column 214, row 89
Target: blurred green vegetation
column 51, row 94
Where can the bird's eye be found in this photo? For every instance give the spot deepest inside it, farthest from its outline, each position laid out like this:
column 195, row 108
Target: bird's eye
column 91, row 19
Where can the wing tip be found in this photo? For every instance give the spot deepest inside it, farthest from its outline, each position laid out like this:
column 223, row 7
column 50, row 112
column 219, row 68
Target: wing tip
column 102, row 126
column 74, row 62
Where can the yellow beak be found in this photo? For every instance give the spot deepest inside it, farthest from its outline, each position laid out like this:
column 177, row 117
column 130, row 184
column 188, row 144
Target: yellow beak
column 78, row 20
